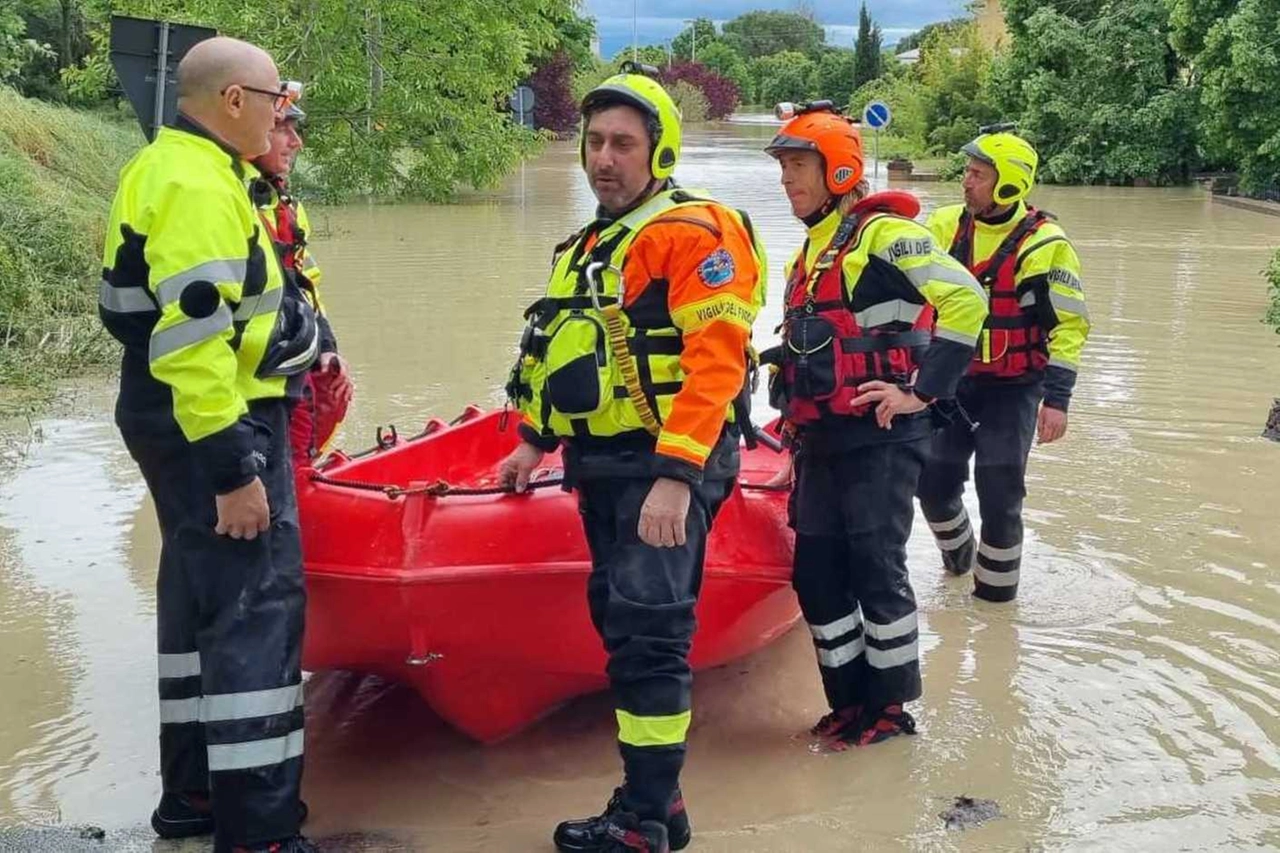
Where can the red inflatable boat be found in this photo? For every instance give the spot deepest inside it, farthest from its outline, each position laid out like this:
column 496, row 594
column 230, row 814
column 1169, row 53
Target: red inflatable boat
column 421, row 570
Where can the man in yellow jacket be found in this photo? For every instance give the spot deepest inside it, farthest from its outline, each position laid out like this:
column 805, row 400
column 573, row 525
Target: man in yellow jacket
column 212, row 335
column 632, row 361
column 1019, row 383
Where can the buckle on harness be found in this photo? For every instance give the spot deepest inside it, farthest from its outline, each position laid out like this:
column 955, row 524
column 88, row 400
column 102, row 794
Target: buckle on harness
column 593, row 279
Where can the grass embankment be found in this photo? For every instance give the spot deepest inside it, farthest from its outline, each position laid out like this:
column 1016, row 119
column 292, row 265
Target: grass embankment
column 58, row 171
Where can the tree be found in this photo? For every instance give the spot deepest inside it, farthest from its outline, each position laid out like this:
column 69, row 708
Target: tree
column 759, row 34
column 687, row 46
column 24, row 59
column 785, row 76
column 404, row 97
column 1138, row 119
column 729, row 64
column 554, row 107
column 955, row 69
column 867, row 63
column 1236, row 61
column 720, row 94
column 917, row 39
column 833, row 76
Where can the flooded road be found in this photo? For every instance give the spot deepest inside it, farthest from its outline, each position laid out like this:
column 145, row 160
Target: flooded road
column 1128, row 701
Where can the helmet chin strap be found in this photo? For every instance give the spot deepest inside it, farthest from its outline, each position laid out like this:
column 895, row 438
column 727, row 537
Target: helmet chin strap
column 821, row 213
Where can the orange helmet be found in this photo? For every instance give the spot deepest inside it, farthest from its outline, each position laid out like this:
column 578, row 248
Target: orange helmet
column 818, row 127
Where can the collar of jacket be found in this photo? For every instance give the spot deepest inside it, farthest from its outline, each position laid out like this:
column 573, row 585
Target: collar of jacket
column 605, row 217
column 1013, row 214
column 186, row 124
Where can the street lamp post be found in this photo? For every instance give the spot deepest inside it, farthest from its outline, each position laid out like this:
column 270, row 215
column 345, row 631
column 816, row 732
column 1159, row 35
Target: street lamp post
column 693, row 51
column 635, row 55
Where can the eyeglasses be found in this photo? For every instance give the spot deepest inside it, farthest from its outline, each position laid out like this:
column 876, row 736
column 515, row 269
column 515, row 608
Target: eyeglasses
column 289, row 92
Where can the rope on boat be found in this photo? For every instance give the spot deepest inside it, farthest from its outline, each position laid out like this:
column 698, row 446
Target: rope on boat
column 442, row 488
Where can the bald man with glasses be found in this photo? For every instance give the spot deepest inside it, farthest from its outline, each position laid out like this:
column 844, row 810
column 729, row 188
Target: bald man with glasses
column 213, row 340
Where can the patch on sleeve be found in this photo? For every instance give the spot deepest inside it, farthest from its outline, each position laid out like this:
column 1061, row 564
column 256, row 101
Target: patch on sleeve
column 717, row 269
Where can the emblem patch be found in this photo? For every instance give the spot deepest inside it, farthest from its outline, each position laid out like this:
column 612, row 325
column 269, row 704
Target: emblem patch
column 843, row 174
column 717, row 269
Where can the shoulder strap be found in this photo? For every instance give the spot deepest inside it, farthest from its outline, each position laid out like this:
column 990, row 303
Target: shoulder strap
column 962, row 244
column 1033, row 220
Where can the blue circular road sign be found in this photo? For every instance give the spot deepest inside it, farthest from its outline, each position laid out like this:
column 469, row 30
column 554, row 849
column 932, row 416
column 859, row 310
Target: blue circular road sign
column 877, row 115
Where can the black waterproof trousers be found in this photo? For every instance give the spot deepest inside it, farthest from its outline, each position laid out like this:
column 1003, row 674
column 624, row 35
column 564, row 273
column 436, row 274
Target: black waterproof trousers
column 1006, row 415
column 852, row 513
column 642, row 600
column 230, row 619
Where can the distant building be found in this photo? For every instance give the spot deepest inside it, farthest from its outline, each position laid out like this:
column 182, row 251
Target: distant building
column 595, row 45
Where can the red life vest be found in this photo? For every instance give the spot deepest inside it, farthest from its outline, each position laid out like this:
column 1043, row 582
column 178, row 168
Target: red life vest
column 1013, row 342
column 826, row 352
column 281, row 220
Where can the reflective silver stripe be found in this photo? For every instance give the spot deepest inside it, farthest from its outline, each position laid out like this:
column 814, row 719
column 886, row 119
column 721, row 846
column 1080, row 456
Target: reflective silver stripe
column 1002, row 555
column 958, row 542
column 255, row 703
column 930, row 273
column 951, row 524
column 896, row 628
column 1068, row 303
column 893, row 311
column 124, row 300
column 958, row 337
column 990, row 578
column 834, row 658
column 1065, row 365
column 263, row 303
column 1028, row 299
column 189, row 332
column 838, row 628
column 179, row 710
column 228, row 270
column 254, row 753
column 889, row 658
column 180, row 666
column 657, row 205
column 302, row 359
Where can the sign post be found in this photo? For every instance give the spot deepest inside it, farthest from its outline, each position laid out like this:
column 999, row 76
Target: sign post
column 145, row 54
column 877, row 116
column 522, row 100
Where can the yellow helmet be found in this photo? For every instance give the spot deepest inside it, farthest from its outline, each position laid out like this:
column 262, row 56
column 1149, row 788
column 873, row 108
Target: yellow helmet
column 647, row 95
column 1012, row 157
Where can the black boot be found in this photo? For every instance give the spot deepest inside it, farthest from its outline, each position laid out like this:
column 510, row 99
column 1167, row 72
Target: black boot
column 591, row 833
column 183, row 816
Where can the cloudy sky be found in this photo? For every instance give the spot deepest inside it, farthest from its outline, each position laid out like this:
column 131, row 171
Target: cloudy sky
column 659, row 20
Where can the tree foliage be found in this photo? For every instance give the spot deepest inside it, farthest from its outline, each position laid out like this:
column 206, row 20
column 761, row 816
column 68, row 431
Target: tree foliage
column 686, row 46
column 763, row 33
column 404, row 97
column 833, row 76
column 785, row 76
column 1235, row 58
column 867, row 63
column 719, row 93
column 1100, row 93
